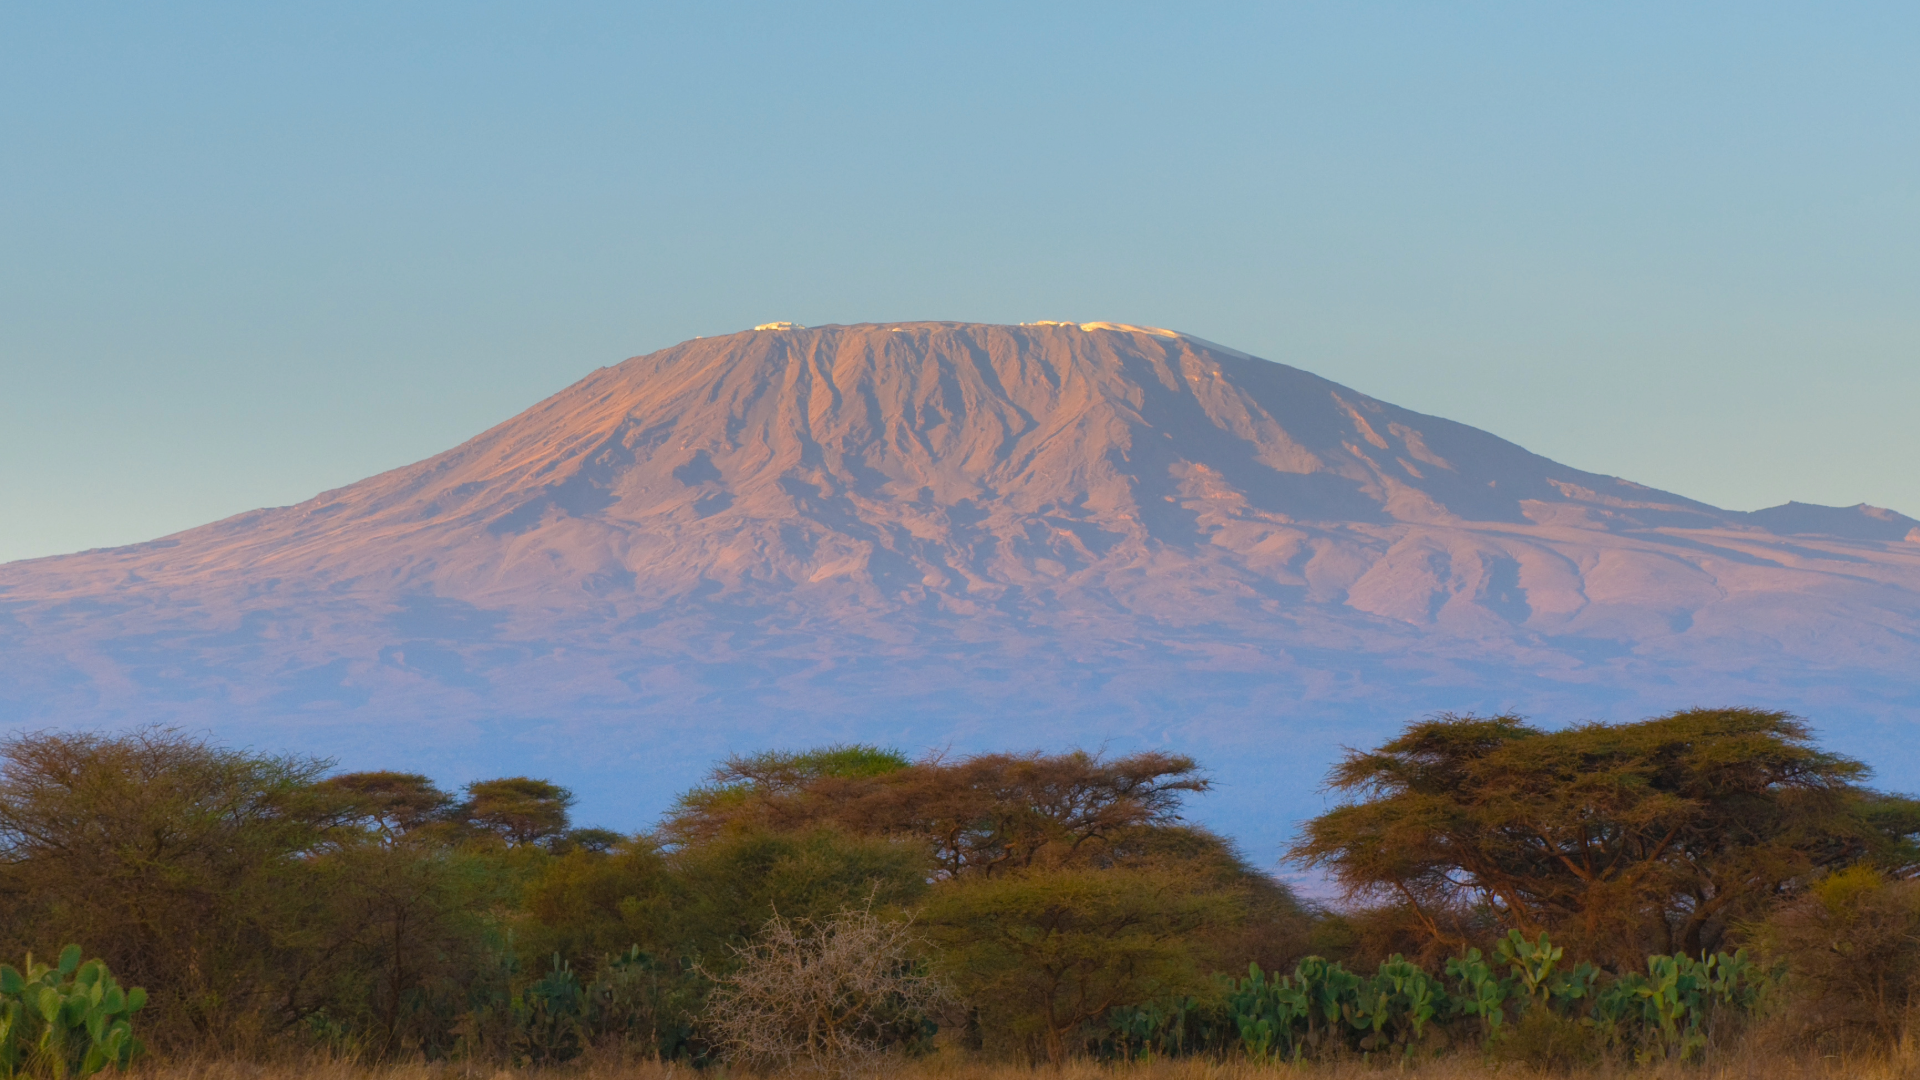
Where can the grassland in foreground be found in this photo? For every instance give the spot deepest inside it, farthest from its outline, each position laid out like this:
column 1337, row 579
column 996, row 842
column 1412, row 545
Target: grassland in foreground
column 1902, row 1064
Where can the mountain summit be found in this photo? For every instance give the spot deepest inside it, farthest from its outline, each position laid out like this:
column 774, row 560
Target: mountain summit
column 934, row 532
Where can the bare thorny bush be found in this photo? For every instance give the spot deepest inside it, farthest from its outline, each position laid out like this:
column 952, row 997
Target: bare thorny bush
column 834, row 996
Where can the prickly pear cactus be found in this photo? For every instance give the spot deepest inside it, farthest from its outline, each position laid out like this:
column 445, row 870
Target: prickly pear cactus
column 70, row 1019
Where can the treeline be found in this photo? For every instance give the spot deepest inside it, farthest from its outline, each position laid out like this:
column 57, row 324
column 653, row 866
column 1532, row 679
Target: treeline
column 1024, row 905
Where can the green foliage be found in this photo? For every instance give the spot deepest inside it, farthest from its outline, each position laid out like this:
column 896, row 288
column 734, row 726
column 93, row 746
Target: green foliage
column 1322, row 1007
column 742, row 781
column 1041, row 954
column 393, row 940
column 641, row 919
column 392, row 803
column 1266, row 1013
column 1536, row 1012
column 68, row 1019
column 1480, row 993
column 1062, row 899
column 1669, row 1012
column 648, row 1003
column 987, row 814
column 1320, row 1010
column 788, row 770
column 1398, row 1004
column 725, row 891
column 1622, row 839
column 186, row 866
column 597, row 841
column 518, row 809
column 1182, row 1026
column 631, row 998
column 586, row 904
column 1537, row 972
column 550, row 1017
column 257, row 898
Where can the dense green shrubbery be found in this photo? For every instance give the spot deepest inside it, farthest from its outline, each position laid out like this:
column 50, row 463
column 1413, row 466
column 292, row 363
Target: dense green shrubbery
column 1060, row 903
column 65, row 1019
column 1323, row 1010
column 269, row 905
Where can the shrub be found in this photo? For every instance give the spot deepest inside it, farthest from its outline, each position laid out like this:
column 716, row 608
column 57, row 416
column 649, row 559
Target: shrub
column 68, row 1019
column 1546, row 1041
column 1852, row 950
column 586, row 904
column 645, row 1005
column 1041, row 954
column 1523, row 1006
column 832, row 996
column 632, row 1003
column 1672, row 1011
column 385, row 948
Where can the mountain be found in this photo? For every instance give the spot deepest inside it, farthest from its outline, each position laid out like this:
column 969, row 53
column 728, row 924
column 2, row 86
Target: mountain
column 938, row 534
column 1861, row 522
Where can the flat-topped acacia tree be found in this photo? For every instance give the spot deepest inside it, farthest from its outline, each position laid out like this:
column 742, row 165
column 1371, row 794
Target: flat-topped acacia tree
column 1621, row 839
column 983, row 815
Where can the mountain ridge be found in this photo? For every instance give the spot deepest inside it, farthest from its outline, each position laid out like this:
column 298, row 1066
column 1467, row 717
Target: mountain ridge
column 960, row 531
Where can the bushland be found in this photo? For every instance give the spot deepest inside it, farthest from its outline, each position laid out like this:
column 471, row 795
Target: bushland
column 1660, row 895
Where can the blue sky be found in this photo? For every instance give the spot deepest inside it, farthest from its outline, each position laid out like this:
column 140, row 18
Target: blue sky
column 252, row 251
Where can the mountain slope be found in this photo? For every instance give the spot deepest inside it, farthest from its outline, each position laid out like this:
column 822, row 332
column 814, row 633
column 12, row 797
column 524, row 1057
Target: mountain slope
column 928, row 532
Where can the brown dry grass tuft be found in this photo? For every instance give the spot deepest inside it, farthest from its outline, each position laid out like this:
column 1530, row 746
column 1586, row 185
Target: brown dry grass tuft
column 1902, row 1064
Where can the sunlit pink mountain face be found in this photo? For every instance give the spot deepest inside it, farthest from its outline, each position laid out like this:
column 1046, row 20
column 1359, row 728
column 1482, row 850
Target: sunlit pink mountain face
column 938, row 534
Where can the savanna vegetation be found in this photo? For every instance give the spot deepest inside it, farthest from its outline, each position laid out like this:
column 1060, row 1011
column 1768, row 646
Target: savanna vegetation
column 1685, row 893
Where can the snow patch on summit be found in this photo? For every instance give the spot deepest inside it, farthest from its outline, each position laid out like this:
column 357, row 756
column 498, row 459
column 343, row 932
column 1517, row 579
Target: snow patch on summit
column 1128, row 328
column 1117, row 327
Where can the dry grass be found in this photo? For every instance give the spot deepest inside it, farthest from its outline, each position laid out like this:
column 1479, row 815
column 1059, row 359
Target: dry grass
column 1903, row 1064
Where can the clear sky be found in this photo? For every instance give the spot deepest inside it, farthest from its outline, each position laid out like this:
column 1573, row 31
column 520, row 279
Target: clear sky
column 252, row 251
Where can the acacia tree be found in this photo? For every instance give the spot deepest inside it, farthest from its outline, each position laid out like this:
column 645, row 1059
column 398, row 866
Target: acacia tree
column 519, row 809
column 987, row 814
column 1622, row 838
column 181, row 863
column 393, row 804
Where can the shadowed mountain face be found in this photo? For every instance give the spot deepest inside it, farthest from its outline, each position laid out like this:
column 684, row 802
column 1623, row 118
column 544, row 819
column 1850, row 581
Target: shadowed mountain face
column 933, row 533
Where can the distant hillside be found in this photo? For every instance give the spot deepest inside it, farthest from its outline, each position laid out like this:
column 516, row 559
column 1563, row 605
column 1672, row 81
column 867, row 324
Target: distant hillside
column 934, row 533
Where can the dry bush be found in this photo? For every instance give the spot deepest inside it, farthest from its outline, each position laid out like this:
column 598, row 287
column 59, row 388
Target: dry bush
column 1852, row 947
column 831, row 997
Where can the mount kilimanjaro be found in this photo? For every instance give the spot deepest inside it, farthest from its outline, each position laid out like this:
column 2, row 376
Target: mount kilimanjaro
column 957, row 535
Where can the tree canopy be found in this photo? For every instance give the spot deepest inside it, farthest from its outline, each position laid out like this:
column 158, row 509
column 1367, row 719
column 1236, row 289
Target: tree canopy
column 986, row 814
column 163, row 853
column 1623, row 838
column 393, row 803
column 518, row 809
